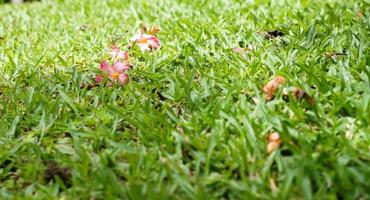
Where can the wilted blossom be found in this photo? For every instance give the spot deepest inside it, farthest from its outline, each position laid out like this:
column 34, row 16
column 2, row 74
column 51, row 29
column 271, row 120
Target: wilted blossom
column 274, row 142
column 271, row 87
column 301, row 94
column 146, row 42
column 153, row 30
column 116, row 73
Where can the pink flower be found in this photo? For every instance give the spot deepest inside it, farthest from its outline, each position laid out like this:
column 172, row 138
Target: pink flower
column 115, row 73
column 117, row 54
column 146, row 42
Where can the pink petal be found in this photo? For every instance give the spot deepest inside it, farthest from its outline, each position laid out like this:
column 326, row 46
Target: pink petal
column 123, row 79
column 114, row 52
column 111, row 71
column 153, row 42
column 136, row 37
column 98, row 78
column 151, row 37
column 143, row 46
column 104, row 66
column 126, row 56
column 122, row 55
column 147, row 36
column 120, row 67
column 117, row 54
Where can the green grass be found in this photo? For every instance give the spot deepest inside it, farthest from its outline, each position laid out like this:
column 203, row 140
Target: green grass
column 192, row 122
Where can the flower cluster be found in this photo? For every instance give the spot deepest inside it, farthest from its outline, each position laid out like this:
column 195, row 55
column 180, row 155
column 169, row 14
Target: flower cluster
column 270, row 89
column 116, row 72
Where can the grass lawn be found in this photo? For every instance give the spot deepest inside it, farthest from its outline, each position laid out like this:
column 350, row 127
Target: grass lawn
column 193, row 122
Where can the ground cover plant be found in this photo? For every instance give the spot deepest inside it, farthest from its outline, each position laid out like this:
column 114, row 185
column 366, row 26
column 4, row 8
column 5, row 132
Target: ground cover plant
column 232, row 100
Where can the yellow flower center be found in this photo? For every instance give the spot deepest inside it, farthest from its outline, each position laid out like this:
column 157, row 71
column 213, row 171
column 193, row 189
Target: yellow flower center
column 143, row 40
column 115, row 75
